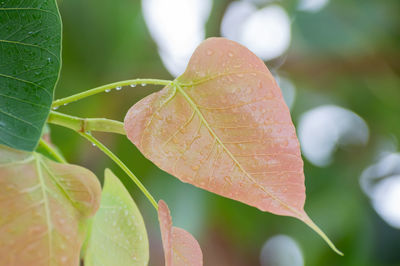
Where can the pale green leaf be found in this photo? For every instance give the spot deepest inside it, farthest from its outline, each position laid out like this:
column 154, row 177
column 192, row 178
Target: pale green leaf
column 118, row 235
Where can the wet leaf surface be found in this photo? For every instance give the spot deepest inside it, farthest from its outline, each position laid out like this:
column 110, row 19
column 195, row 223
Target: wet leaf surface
column 30, row 62
column 224, row 126
column 44, row 207
column 118, row 234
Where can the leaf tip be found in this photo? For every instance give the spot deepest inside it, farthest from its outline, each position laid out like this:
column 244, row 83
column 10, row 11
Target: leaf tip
column 313, row 226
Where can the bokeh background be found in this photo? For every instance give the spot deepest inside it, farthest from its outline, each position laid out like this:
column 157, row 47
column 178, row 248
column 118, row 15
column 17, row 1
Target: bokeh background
column 338, row 65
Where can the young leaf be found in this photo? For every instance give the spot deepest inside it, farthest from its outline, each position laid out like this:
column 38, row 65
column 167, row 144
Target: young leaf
column 180, row 247
column 223, row 126
column 44, row 207
column 30, row 56
column 118, row 235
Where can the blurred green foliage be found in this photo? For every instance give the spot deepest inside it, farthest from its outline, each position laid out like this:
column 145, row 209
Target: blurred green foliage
column 346, row 54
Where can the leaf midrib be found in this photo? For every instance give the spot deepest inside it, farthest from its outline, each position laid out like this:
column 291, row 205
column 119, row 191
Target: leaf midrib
column 46, row 203
column 204, row 121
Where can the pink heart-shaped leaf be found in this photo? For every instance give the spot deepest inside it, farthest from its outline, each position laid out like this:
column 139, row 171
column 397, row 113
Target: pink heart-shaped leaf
column 223, row 126
column 180, row 247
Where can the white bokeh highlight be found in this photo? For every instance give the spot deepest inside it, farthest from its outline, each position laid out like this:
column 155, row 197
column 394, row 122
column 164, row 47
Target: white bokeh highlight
column 381, row 182
column 386, row 200
column 312, row 6
column 281, row 250
column 266, row 31
column 324, row 128
column 235, row 15
column 178, row 27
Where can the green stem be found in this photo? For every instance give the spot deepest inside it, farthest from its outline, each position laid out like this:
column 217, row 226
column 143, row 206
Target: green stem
column 113, row 157
column 53, row 152
column 86, row 124
column 108, row 87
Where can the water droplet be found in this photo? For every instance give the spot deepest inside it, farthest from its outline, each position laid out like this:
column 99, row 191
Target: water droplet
column 285, row 143
column 94, row 145
column 55, row 108
column 210, row 52
column 143, row 84
column 48, row 59
column 118, row 88
column 133, row 85
column 65, row 104
column 107, row 90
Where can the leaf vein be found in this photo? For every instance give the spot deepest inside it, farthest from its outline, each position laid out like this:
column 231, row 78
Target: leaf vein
column 266, row 191
column 27, row 82
column 31, row 45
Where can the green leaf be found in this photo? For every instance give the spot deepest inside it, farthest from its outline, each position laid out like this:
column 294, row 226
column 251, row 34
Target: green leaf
column 44, row 208
column 30, row 62
column 118, row 235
